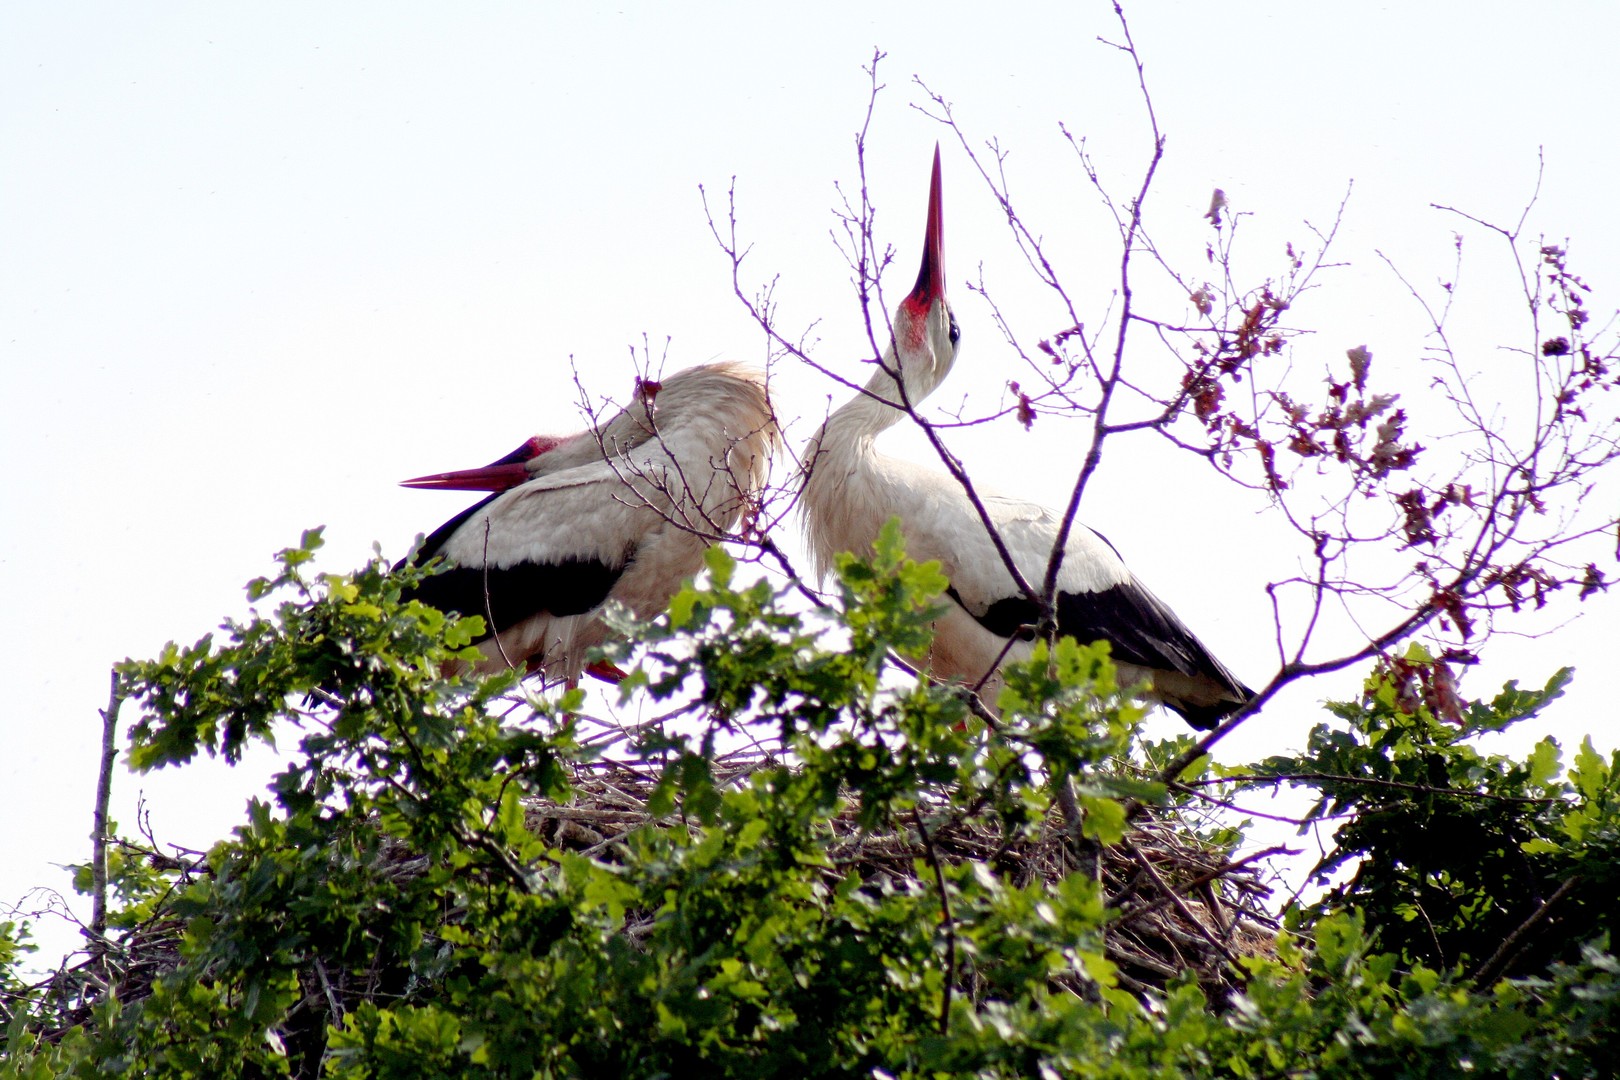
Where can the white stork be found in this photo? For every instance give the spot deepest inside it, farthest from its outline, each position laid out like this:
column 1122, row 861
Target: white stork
column 623, row 511
column 851, row 491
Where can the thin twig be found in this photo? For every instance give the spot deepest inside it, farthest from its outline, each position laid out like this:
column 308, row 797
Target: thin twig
column 946, row 922
column 1499, row 959
column 1175, row 900
column 331, row 997
column 1368, row 781
column 98, row 835
column 1202, row 879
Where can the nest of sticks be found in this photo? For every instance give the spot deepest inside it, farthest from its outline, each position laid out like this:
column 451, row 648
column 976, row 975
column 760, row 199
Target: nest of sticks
column 1182, row 905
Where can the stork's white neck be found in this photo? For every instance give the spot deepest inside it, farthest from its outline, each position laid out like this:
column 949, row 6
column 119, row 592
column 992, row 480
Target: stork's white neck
column 867, row 414
column 846, row 488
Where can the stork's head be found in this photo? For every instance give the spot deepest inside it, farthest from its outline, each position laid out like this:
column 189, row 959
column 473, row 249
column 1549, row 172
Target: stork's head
column 925, row 333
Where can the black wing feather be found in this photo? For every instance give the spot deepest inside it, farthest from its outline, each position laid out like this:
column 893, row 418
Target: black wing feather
column 1138, row 627
column 506, row 597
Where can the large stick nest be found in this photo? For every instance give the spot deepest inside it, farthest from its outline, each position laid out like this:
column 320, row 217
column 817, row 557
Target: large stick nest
column 1180, row 904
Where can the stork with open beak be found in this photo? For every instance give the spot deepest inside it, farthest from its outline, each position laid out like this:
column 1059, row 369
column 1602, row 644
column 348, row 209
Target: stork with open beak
column 851, row 490
column 622, row 511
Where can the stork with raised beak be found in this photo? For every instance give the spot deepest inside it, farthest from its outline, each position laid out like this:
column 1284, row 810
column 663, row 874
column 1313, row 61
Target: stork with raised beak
column 851, row 490
column 620, row 512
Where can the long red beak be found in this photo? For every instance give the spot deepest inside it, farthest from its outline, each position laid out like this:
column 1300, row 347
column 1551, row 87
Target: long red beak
column 499, row 475
column 931, row 279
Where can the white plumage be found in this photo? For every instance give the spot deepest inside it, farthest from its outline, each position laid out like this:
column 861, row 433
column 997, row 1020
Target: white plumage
column 623, row 512
column 851, row 491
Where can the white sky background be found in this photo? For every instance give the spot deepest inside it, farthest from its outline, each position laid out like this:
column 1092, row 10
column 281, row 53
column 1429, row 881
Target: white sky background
column 257, row 266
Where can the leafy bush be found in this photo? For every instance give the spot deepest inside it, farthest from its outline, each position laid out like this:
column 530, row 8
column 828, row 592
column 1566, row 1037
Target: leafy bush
column 393, row 909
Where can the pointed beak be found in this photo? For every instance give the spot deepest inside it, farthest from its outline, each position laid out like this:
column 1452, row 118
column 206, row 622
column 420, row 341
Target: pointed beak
column 499, row 475
column 931, row 279
column 487, row 478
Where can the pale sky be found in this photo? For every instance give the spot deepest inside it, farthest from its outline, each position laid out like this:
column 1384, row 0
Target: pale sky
column 258, row 265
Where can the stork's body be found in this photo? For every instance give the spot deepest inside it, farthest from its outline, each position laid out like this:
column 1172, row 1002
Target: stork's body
column 623, row 512
column 852, row 490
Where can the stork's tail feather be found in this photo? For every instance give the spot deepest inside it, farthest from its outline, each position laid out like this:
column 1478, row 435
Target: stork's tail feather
column 1205, row 716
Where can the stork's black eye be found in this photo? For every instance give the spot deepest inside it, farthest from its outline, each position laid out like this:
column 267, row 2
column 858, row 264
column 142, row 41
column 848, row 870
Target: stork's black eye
column 956, row 334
